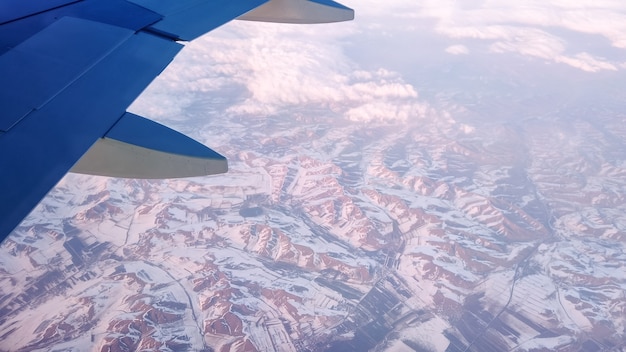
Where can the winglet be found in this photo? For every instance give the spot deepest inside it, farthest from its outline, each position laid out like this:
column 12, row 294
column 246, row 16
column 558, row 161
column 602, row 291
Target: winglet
column 136, row 147
column 300, row 11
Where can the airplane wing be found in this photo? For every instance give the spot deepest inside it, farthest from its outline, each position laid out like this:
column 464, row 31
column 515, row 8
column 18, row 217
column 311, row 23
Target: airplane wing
column 70, row 68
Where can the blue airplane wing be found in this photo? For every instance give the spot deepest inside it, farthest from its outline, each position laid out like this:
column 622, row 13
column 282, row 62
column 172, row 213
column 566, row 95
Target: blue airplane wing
column 70, row 68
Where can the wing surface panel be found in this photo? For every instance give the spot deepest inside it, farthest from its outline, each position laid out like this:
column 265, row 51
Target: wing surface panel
column 11, row 10
column 119, row 13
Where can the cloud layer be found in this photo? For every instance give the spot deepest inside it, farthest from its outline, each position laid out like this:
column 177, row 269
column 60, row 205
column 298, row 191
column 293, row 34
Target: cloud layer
column 263, row 69
column 535, row 28
column 282, row 66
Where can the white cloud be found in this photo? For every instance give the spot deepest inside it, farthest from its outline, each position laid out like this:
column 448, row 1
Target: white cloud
column 467, row 129
column 286, row 66
column 457, row 50
column 527, row 27
column 529, row 41
column 384, row 110
column 586, row 62
column 263, row 69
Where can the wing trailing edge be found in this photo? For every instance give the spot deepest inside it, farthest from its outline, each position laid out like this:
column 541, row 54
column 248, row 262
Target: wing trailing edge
column 137, row 147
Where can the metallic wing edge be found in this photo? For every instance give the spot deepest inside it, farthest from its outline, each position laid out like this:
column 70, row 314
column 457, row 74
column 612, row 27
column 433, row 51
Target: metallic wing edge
column 137, row 147
column 300, row 11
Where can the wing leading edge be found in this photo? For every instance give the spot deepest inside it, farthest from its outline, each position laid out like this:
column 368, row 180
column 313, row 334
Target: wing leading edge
column 70, row 69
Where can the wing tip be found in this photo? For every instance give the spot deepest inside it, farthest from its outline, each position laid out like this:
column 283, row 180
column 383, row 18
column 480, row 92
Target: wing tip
column 300, row 12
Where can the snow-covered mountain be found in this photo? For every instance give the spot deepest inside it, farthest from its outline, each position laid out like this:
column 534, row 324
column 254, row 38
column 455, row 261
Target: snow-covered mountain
column 330, row 237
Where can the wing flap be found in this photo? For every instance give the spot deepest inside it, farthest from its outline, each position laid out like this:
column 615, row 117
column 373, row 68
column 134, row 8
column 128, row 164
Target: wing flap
column 136, row 147
column 36, row 70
